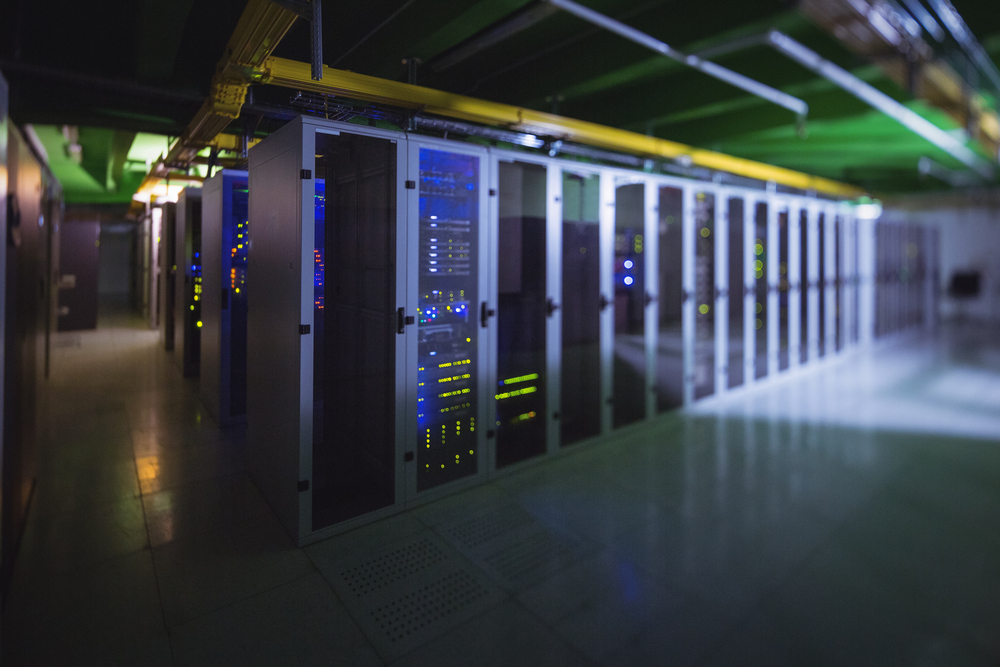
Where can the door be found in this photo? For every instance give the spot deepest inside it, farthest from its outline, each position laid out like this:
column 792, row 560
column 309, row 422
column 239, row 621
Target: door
column 582, row 304
column 669, row 381
column 522, row 311
column 703, row 261
column 761, row 305
column 447, row 377
column 783, row 288
column 735, row 212
column 358, row 286
column 630, row 301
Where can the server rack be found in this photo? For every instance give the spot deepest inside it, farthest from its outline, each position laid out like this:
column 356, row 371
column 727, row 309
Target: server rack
column 188, row 282
column 425, row 314
column 167, row 269
column 225, row 243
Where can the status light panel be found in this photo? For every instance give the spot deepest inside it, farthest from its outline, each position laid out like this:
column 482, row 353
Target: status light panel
column 239, row 237
column 240, row 244
column 320, row 249
column 447, row 318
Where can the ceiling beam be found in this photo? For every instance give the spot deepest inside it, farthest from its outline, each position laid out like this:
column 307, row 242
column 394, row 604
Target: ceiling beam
column 296, row 75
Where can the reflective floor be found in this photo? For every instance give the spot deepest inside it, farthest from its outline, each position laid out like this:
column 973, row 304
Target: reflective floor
column 842, row 517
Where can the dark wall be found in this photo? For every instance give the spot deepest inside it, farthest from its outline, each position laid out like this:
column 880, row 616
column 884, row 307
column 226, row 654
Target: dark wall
column 79, row 260
column 115, row 278
column 26, row 319
column 3, row 310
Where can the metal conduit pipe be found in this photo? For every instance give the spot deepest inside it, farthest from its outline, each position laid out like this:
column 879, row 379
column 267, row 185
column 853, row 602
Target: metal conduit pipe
column 880, row 101
column 752, row 86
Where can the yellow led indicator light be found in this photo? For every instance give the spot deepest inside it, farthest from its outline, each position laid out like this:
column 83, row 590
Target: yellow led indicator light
column 703, row 309
column 199, row 325
column 758, row 249
column 706, row 232
column 516, row 392
column 520, row 378
column 758, row 324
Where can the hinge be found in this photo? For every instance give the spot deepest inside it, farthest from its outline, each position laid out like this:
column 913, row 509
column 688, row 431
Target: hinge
column 306, row 174
column 303, row 485
column 411, row 185
column 303, row 329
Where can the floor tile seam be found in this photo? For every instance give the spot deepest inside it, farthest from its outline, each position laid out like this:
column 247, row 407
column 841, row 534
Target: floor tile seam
column 434, row 638
column 352, row 607
column 240, row 600
column 80, row 570
column 347, row 611
column 550, row 627
column 316, row 570
column 156, row 575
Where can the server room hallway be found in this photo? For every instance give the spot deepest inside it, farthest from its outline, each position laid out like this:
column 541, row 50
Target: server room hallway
column 845, row 516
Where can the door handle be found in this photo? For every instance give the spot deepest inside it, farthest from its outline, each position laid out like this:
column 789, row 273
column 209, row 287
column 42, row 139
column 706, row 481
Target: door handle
column 402, row 320
column 650, row 298
column 604, row 302
column 550, row 306
column 485, row 313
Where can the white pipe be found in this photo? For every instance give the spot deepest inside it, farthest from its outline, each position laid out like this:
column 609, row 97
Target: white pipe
column 880, row 101
column 733, row 78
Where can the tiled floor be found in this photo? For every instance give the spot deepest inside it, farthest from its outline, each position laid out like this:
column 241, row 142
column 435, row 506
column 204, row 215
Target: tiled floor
column 844, row 517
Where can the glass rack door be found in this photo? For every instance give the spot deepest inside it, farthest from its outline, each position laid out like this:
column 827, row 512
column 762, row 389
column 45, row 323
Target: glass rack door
column 804, row 290
column 521, row 313
column 448, row 319
column 704, row 294
column 783, row 290
column 760, row 290
column 630, row 305
column 580, row 403
column 821, row 283
column 735, row 286
column 354, row 452
column 670, row 299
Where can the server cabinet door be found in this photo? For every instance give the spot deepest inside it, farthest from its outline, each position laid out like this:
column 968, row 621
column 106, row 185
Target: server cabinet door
column 358, row 289
column 581, row 405
column 671, row 296
column 447, row 375
column 736, row 258
column 761, row 303
column 793, row 278
column 783, row 295
column 522, row 311
column 702, row 260
column 630, row 300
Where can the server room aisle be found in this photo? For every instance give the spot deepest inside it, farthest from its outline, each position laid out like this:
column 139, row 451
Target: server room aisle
column 792, row 526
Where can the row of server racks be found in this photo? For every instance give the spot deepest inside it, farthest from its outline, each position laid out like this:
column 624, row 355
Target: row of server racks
column 194, row 268
column 412, row 316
